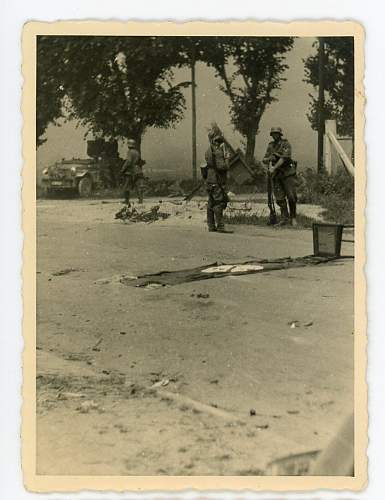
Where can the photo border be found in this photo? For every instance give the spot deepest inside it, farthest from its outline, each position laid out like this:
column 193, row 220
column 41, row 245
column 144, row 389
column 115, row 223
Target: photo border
column 45, row 483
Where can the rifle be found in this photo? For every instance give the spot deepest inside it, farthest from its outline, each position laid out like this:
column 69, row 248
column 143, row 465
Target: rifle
column 270, row 200
column 197, row 188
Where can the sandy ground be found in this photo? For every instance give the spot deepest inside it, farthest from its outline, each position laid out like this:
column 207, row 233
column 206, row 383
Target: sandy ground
column 101, row 346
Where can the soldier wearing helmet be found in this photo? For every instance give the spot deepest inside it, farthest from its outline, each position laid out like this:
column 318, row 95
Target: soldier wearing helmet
column 283, row 171
column 132, row 173
column 215, row 174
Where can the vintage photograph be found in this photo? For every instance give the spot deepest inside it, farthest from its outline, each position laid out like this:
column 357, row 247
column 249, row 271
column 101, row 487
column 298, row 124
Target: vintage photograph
column 197, row 204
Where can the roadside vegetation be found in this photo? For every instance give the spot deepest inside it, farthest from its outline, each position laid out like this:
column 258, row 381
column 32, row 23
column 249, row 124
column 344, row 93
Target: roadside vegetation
column 334, row 192
column 262, row 220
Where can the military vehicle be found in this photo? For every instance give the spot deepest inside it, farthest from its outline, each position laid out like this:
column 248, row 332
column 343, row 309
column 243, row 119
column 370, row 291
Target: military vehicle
column 84, row 176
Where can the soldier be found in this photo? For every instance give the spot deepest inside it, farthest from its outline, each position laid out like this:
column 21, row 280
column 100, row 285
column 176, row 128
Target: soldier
column 133, row 173
column 215, row 174
column 283, row 172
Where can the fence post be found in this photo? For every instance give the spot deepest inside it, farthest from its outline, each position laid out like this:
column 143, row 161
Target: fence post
column 344, row 157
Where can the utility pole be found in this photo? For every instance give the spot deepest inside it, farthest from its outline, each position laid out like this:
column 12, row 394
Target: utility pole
column 321, row 103
column 194, row 115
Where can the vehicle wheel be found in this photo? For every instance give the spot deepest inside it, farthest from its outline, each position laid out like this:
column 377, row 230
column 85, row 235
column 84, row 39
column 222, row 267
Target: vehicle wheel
column 45, row 192
column 49, row 193
column 85, row 187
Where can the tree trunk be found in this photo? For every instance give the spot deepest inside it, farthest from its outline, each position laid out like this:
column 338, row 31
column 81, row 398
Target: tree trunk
column 250, row 143
column 194, row 117
column 321, row 104
column 138, row 140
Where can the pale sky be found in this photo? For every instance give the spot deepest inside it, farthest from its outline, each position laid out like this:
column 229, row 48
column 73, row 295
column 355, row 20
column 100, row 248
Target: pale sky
column 170, row 150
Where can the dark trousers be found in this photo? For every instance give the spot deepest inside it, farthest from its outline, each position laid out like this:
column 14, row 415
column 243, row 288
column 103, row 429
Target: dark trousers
column 285, row 191
column 216, row 204
column 130, row 184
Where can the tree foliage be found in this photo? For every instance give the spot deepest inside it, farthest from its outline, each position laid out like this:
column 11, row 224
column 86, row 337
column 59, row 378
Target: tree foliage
column 251, row 70
column 49, row 94
column 114, row 86
column 339, row 83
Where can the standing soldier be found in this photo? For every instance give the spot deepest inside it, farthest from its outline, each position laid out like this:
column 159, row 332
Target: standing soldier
column 215, row 174
column 133, row 173
column 283, row 172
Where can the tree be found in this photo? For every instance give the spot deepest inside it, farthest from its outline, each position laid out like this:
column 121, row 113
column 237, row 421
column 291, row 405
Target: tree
column 251, row 69
column 49, row 93
column 116, row 87
column 338, row 83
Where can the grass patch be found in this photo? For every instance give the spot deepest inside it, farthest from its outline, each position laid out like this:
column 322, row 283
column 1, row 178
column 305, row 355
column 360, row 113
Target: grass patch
column 338, row 209
column 262, row 220
column 334, row 192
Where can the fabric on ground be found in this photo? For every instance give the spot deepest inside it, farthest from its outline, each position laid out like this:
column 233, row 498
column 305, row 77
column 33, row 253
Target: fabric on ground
column 220, row 270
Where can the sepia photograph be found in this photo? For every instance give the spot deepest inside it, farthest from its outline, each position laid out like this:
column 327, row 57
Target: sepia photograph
column 194, row 298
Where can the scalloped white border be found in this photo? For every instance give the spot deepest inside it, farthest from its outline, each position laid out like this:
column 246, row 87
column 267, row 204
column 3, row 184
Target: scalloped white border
column 121, row 483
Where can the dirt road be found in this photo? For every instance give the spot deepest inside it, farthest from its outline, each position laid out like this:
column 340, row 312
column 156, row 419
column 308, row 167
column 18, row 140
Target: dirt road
column 107, row 352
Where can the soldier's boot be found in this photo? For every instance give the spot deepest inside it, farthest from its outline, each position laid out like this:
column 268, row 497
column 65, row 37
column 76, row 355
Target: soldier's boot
column 218, row 211
column 293, row 212
column 210, row 220
column 284, row 213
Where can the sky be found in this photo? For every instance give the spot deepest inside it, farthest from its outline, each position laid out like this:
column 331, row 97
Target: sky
column 168, row 152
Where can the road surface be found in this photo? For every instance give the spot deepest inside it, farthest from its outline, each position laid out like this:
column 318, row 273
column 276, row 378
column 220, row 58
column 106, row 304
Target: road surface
column 108, row 354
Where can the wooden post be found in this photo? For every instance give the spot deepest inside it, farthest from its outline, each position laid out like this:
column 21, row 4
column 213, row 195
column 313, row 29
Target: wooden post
column 321, row 102
column 194, row 117
column 329, row 163
column 344, row 157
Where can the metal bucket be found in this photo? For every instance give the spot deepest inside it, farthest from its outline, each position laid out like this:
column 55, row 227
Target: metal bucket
column 327, row 239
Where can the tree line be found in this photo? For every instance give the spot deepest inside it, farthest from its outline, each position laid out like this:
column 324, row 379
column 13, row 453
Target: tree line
column 119, row 86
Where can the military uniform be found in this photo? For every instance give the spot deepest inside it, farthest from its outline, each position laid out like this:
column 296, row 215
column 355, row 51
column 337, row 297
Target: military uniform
column 284, row 179
column 215, row 174
column 133, row 174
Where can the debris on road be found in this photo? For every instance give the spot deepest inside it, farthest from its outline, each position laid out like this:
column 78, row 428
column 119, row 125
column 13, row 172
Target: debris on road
column 86, row 406
column 252, row 412
column 198, row 407
column 154, row 285
column 102, row 281
column 122, row 428
column 130, row 213
column 298, row 324
column 70, row 395
column 68, row 270
column 76, row 356
column 114, row 279
column 326, row 404
column 160, row 383
column 96, row 346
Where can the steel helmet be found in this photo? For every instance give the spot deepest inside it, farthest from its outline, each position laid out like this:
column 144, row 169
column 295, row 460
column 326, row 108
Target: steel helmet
column 131, row 143
column 215, row 132
column 276, row 130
